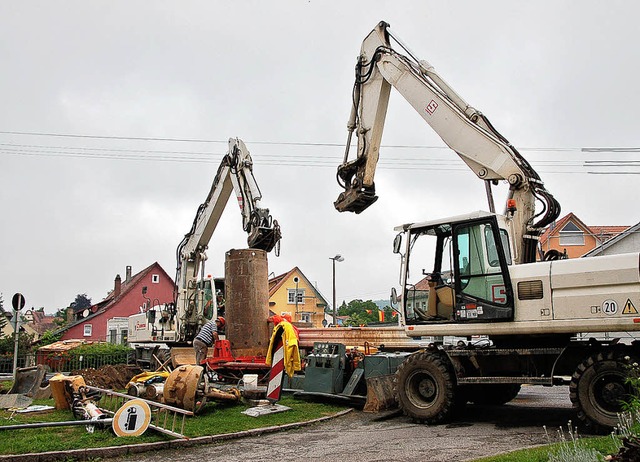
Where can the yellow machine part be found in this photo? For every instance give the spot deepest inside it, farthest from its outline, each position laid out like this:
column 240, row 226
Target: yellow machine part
column 184, row 388
column 61, row 388
column 181, row 356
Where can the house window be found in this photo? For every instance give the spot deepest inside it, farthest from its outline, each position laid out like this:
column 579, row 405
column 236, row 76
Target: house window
column 292, row 296
column 305, row 317
column 87, row 330
column 113, row 336
column 124, row 335
column 571, row 235
column 155, row 278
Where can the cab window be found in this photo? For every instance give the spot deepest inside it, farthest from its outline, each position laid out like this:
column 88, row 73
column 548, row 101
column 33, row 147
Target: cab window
column 479, row 263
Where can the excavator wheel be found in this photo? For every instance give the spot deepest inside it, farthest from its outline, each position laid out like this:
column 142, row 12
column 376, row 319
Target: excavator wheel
column 493, row 394
column 598, row 389
column 425, row 387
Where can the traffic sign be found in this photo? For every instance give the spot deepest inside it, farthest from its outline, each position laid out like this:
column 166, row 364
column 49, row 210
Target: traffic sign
column 17, row 301
column 132, row 419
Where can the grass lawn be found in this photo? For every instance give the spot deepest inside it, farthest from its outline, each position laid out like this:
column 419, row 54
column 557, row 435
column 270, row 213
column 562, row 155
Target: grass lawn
column 605, row 445
column 214, row 419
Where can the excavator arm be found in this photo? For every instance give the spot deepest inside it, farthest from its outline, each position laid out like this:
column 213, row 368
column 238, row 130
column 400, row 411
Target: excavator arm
column 235, row 173
column 464, row 129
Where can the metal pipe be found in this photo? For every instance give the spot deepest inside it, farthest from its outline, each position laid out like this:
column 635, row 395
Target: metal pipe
column 16, row 340
column 335, row 317
column 487, row 187
column 57, row 424
column 334, row 259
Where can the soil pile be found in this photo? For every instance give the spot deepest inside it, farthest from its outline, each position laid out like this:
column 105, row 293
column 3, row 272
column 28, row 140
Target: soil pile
column 108, row 377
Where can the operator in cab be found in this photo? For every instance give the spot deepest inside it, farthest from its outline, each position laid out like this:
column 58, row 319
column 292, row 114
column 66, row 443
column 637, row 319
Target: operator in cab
column 207, row 337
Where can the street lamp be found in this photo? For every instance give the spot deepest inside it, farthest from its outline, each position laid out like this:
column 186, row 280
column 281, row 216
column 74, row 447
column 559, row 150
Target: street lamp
column 337, row 258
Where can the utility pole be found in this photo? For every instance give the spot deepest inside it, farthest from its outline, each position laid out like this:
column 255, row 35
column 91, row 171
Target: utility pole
column 337, row 258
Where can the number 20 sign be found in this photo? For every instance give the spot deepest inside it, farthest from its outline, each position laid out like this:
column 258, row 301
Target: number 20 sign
column 610, row 307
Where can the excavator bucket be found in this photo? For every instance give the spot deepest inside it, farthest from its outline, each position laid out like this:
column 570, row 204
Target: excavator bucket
column 355, row 200
column 380, row 394
column 264, row 238
column 182, row 356
column 29, row 380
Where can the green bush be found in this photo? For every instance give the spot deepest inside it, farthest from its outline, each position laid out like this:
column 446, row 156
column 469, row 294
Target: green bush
column 24, row 344
column 49, row 337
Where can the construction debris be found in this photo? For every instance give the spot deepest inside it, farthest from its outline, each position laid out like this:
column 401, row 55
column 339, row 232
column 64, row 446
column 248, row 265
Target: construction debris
column 14, row 401
column 265, row 410
column 30, row 381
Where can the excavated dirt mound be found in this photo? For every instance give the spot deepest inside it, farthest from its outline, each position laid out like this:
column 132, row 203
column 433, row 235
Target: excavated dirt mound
column 109, row 377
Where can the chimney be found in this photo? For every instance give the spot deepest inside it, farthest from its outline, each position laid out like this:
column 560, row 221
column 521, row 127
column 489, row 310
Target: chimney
column 128, row 274
column 70, row 315
column 117, row 286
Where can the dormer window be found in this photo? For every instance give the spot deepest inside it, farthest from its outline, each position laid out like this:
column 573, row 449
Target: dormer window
column 571, row 235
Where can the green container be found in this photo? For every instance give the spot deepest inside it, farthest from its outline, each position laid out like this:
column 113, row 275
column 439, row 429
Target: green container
column 383, row 363
column 325, row 368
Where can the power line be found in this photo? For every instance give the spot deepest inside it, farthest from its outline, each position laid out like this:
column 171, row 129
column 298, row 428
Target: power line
column 449, row 159
column 305, row 161
column 452, row 163
column 294, row 143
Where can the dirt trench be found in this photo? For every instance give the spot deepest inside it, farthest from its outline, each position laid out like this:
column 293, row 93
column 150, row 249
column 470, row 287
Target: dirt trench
column 108, row 377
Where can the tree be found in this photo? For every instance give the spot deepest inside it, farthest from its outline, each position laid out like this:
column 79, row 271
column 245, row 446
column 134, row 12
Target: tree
column 363, row 313
column 3, row 317
column 81, row 302
column 24, row 343
column 360, row 312
column 60, row 318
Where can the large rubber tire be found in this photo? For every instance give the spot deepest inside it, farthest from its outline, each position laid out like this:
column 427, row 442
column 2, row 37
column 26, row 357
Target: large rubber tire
column 425, row 387
column 493, row 394
column 163, row 356
column 597, row 390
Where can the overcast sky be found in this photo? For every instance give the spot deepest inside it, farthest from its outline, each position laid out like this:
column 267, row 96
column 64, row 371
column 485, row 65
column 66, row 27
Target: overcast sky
column 553, row 77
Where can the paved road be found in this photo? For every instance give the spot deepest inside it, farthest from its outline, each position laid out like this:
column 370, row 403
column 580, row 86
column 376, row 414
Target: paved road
column 355, row 437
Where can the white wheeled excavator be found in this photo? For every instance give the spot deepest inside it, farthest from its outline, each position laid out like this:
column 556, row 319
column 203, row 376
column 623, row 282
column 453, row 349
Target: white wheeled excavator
column 176, row 324
column 477, row 275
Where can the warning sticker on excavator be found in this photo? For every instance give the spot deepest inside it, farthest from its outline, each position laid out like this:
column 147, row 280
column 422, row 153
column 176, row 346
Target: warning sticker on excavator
column 629, row 308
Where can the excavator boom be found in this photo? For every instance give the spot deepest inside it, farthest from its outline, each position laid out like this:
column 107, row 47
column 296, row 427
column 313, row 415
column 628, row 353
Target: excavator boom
column 464, row 129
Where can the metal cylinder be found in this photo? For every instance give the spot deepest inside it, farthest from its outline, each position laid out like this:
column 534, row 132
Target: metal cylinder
column 137, row 389
column 247, row 301
column 154, row 391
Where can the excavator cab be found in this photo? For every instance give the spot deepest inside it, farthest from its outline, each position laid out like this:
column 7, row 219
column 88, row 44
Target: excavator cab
column 457, row 271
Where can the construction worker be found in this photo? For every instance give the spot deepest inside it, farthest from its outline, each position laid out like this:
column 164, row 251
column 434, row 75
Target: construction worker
column 220, row 302
column 208, row 335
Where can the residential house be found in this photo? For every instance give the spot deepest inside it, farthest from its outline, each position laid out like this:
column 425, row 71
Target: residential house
column 7, row 329
column 626, row 242
column 36, row 322
column 150, row 286
column 418, row 298
column 292, row 293
column 570, row 236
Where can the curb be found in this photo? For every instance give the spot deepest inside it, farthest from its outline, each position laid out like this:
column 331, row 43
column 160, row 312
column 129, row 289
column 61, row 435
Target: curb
column 119, row 451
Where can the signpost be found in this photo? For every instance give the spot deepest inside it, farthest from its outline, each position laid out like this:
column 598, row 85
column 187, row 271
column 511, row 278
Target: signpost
column 18, row 303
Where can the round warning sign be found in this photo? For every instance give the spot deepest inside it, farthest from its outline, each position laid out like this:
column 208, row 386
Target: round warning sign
column 132, row 419
column 610, row 307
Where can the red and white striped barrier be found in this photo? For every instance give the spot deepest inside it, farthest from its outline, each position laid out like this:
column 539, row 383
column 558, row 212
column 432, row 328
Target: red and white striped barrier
column 276, row 375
